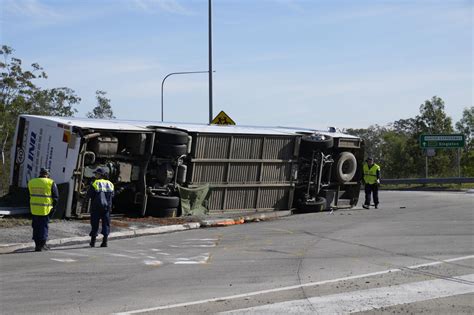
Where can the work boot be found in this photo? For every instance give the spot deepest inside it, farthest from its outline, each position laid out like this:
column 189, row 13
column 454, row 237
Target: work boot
column 44, row 245
column 104, row 242
column 38, row 247
column 92, row 243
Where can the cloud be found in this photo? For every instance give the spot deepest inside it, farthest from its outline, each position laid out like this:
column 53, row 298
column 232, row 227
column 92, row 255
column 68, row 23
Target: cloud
column 171, row 6
column 292, row 5
column 104, row 67
column 31, row 9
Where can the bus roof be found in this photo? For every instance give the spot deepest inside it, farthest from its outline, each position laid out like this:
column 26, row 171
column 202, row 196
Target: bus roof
column 144, row 126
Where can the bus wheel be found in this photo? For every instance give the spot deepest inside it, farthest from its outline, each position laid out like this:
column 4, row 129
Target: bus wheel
column 171, row 150
column 346, row 167
column 171, row 136
column 312, row 205
column 163, row 202
column 314, row 142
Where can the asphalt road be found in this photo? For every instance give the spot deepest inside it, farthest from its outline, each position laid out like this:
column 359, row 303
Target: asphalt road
column 415, row 254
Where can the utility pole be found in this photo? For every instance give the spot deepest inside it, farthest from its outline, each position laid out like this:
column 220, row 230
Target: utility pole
column 210, row 62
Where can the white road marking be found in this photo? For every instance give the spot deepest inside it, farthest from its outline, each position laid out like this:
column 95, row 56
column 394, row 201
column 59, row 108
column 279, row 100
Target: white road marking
column 365, row 300
column 152, row 262
column 202, row 239
column 122, row 255
column 70, row 253
column 201, row 259
column 310, row 284
column 192, row 245
column 65, row 260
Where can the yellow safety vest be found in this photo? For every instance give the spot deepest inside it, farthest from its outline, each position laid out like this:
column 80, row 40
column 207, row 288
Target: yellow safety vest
column 370, row 174
column 103, row 185
column 41, row 200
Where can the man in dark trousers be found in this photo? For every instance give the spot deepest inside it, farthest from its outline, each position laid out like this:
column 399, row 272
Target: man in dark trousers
column 43, row 199
column 101, row 193
column 371, row 181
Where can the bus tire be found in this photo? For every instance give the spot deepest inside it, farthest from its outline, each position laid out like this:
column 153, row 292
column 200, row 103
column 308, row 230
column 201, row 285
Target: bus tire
column 314, row 142
column 346, row 167
column 312, row 206
column 171, row 136
column 171, row 150
column 163, row 202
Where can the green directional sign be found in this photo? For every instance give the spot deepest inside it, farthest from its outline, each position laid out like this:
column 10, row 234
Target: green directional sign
column 442, row 141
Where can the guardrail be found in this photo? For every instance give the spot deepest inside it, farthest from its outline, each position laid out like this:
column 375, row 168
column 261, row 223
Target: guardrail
column 445, row 180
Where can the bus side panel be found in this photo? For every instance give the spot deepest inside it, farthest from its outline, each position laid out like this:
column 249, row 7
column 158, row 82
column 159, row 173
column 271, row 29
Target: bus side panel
column 246, row 173
column 18, row 153
column 43, row 143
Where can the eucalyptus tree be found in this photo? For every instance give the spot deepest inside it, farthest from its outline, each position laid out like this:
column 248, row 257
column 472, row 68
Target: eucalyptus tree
column 466, row 126
column 103, row 109
column 19, row 94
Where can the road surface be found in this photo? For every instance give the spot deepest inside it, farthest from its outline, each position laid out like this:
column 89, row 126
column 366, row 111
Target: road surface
column 415, row 254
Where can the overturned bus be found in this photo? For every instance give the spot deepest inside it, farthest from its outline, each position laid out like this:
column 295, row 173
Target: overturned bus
column 172, row 169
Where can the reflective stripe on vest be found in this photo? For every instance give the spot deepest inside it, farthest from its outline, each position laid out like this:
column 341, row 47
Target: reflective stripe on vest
column 41, row 201
column 103, row 185
column 370, row 174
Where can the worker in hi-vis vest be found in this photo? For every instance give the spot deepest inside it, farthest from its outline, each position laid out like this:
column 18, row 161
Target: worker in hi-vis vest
column 371, row 181
column 43, row 199
column 101, row 193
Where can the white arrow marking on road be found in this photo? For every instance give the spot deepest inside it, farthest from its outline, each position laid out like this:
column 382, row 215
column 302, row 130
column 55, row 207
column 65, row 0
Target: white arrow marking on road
column 371, row 299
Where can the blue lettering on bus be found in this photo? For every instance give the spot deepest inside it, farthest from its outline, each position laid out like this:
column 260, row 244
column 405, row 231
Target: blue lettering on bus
column 31, row 155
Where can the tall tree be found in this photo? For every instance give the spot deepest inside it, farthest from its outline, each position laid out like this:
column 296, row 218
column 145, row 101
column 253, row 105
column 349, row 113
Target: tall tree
column 432, row 118
column 373, row 140
column 103, row 109
column 20, row 95
column 466, row 126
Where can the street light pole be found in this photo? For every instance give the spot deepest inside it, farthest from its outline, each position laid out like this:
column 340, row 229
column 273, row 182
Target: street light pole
column 210, row 62
column 163, row 83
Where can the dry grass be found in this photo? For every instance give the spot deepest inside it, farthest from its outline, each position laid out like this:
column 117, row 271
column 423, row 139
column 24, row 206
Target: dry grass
column 8, row 222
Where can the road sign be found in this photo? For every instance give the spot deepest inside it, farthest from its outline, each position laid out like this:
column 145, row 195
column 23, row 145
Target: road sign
column 430, row 152
column 443, row 141
column 222, row 119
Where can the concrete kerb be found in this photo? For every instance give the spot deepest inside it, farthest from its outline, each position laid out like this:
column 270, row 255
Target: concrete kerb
column 218, row 222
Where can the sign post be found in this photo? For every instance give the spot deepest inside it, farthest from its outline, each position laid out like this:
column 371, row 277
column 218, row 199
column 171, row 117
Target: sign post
column 442, row 141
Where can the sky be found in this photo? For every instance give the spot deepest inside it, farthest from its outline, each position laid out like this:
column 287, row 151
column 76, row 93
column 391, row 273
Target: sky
column 302, row 63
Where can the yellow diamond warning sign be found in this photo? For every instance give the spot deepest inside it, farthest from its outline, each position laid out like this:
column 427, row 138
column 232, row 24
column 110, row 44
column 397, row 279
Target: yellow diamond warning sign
column 222, row 119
